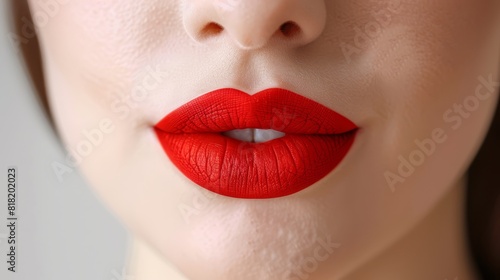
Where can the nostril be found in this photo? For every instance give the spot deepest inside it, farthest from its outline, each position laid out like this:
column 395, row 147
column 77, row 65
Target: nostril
column 211, row 29
column 289, row 29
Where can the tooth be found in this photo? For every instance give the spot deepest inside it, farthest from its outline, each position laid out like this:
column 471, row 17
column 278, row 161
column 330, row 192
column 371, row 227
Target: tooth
column 254, row 134
column 263, row 135
column 240, row 134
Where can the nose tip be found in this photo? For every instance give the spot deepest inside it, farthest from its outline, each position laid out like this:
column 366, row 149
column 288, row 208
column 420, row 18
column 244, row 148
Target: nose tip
column 252, row 24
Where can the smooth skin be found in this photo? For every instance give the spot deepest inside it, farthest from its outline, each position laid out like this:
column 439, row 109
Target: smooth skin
column 405, row 71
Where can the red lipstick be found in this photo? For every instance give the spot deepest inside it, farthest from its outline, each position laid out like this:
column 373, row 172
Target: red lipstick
column 316, row 140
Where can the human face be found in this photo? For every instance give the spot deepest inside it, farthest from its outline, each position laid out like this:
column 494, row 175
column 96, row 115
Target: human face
column 417, row 78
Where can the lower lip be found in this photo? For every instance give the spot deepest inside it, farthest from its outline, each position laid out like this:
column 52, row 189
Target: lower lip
column 239, row 169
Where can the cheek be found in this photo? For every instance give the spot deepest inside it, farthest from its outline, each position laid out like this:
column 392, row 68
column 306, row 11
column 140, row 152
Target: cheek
column 105, row 47
column 425, row 68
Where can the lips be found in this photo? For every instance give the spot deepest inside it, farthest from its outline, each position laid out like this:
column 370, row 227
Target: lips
column 196, row 138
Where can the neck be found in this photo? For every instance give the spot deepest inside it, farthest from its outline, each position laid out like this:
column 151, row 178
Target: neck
column 435, row 249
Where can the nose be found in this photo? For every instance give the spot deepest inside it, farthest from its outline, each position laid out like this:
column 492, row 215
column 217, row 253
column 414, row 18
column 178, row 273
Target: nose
column 252, row 24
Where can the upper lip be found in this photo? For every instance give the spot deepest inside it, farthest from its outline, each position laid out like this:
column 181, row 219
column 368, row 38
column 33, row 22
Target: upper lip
column 274, row 108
